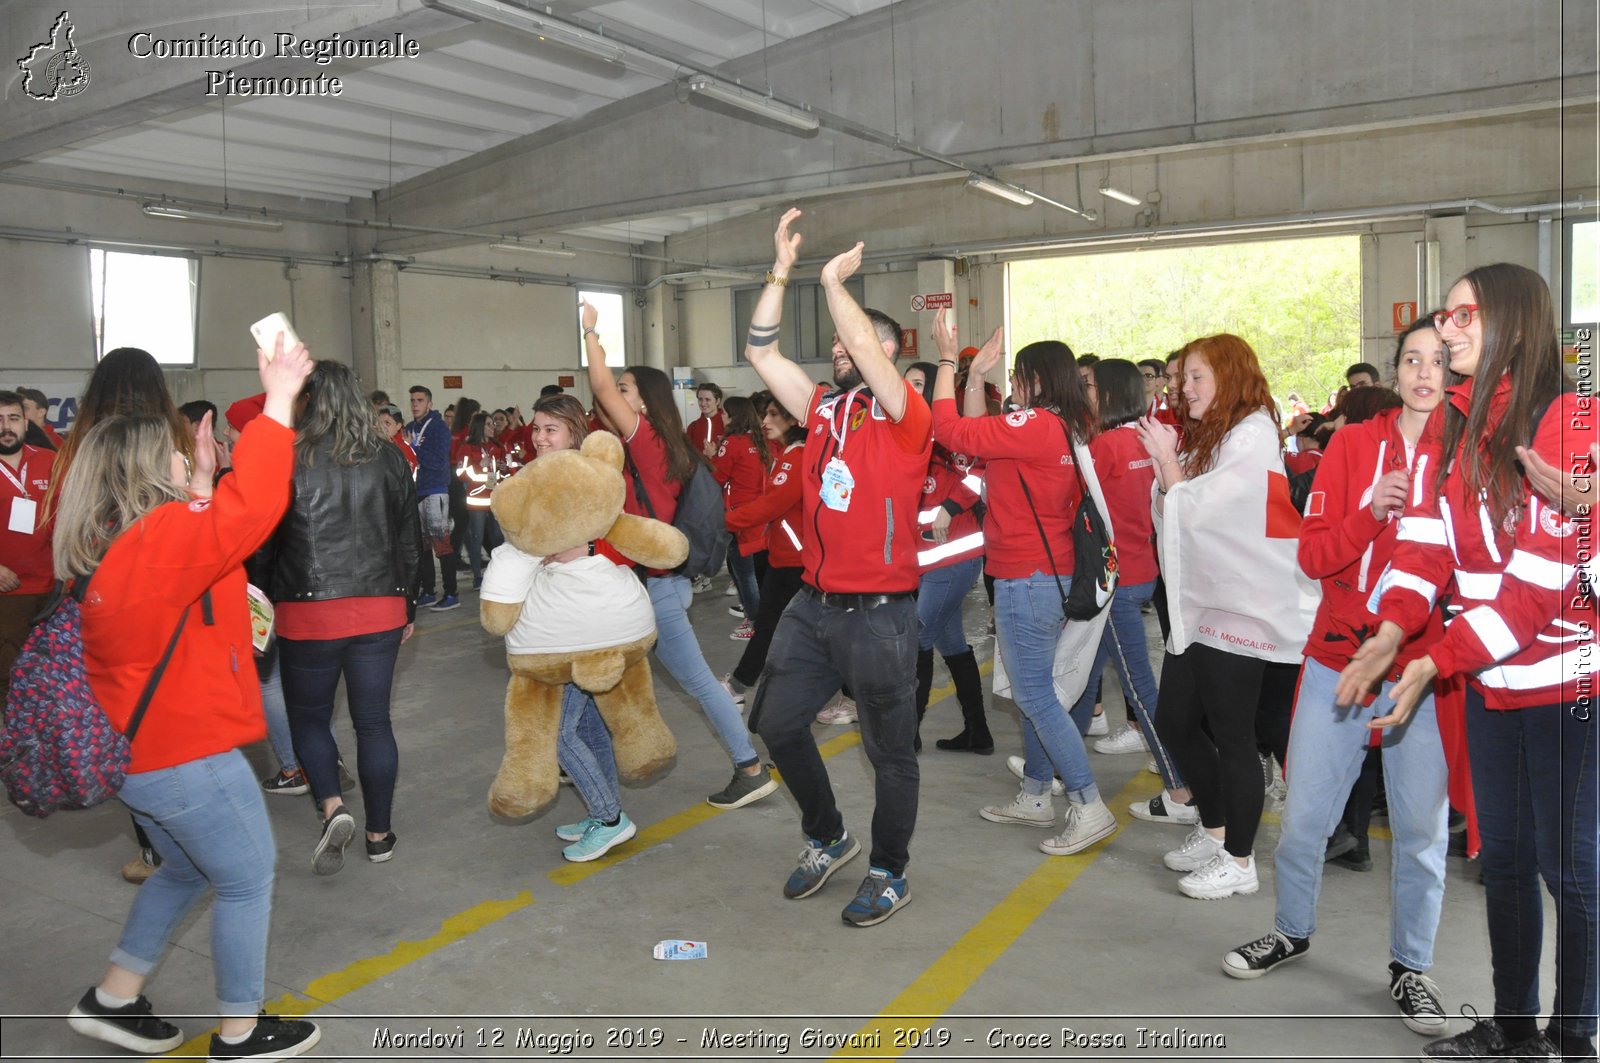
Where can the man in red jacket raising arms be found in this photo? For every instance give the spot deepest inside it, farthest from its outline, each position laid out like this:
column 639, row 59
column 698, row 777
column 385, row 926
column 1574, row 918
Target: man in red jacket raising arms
column 854, row 621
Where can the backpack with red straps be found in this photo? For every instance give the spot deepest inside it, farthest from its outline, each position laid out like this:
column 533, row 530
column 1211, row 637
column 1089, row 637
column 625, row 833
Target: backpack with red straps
column 58, row 749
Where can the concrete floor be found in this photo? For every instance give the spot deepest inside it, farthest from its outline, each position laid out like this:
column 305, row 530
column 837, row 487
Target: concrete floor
column 480, row 925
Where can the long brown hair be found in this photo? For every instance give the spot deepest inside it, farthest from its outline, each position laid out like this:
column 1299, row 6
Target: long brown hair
column 1519, row 342
column 661, row 410
column 127, row 382
column 568, row 410
column 124, row 470
column 743, row 420
column 1241, row 390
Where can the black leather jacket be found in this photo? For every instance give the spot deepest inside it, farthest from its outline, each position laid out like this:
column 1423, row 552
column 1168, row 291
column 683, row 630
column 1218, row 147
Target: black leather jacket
column 351, row 532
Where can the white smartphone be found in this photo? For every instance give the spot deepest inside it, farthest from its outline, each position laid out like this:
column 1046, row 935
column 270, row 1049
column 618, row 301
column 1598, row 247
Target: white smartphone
column 266, row 332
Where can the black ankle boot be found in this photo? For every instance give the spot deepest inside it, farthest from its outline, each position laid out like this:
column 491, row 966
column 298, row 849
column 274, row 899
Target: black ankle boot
column 974, row 737
column 924, row 686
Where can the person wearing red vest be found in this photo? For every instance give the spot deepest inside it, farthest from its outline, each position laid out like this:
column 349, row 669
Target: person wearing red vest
column 1347, row 541
column 740, row 464
column 391, row 425
column 951, row 557
column 1506, row 570
column 705, row 433
column 853, row 623
column 779, row 515
column 26, row 571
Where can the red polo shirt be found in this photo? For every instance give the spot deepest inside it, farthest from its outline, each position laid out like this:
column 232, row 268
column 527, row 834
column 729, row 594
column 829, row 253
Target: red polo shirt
column 27, row 553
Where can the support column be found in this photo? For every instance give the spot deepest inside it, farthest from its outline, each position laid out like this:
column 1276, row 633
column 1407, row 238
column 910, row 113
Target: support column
column 662, row 347
column 937, row 275
column 375, row 327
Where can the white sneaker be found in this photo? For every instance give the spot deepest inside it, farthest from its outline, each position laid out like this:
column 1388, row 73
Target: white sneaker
column 1028, row 809
column 1223, row 877
column 1017, row 766
column 1160, row 810
column 732, row 591
column 1151, row 766
column 1197, row 850
column 839, row 711
column 1098, row 725
column 1126, row 740
column 702, row 584
column 738, row 698
column 1086, row 824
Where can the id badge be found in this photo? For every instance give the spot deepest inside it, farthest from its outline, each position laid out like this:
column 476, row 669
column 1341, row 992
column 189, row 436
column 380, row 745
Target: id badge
column 837, row 485
column 23, row 513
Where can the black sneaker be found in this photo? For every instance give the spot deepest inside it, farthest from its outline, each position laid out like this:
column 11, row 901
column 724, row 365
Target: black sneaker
column 381, row 850
column 1485, row 1040
column 1418, row 998
column 287, row 783
column 131, row 1026
column 328, row 857
column 744, row 789
column 273, row 1038
column 1263, row 954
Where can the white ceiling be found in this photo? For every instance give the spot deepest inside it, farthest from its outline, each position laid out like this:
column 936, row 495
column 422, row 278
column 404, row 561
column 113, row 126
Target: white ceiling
column 475, row 86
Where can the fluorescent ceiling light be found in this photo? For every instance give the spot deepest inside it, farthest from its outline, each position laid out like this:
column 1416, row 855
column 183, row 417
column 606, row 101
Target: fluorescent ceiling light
column 755, row 103
column 1020, row 196
column 1120, row 196
column 534, row 24
column 248, row 221
column 536, row 249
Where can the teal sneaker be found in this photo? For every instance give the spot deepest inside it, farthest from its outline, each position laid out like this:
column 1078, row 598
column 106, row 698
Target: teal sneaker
column 817, row 863
column 880, row 896
column 599, row 840
column 572, row 832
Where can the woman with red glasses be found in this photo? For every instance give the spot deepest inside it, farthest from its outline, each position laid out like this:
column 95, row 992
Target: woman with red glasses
column 1479, row 547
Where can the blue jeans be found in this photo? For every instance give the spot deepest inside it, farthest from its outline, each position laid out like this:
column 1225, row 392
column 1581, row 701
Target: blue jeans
column 477, row 521
column 583, row 749
column 817, row 649
column 939, row 597
column 1027, row 621
column 277, row 715
column 743, row 571
column 678, row 651
column 208, row 822
column 1327, row 745
column 1534, row 778
column 1124, row 644
column 311, row 671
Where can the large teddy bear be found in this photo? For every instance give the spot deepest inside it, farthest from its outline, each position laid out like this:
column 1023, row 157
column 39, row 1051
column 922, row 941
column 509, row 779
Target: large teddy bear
column 585, row 621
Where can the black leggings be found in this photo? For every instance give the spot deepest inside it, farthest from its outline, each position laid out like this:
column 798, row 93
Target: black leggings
column 1205, row 689
column 778, row 586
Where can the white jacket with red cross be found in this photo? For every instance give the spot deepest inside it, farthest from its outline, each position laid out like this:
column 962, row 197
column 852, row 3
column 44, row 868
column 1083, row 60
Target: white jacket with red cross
column 1518, row 605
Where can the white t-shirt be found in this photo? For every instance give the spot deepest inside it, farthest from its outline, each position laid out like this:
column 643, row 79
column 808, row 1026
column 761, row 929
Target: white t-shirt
column 587, row 604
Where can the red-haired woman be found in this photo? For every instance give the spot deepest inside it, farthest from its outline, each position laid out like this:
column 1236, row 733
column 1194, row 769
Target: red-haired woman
column 1227, row 534
column 1504, row 566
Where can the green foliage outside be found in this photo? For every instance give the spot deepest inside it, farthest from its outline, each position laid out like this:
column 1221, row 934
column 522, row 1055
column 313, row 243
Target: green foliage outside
column 1297, row 302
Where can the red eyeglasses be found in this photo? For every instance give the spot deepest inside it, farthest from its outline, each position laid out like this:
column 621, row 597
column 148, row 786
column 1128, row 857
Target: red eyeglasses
column 1460, row 316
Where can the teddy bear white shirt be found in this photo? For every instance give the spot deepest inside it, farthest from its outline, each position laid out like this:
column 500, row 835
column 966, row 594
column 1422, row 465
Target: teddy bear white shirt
column 570, row 606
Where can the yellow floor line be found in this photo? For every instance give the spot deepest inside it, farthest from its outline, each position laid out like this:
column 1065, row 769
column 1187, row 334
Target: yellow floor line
column 953, row 973
column 1382, row 834
column 363, row 972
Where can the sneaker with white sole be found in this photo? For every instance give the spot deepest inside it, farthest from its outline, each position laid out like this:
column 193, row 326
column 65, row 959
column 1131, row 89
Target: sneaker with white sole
column 328, row 857
column 1256, row 958
column 272, row 1038
column 727, row 684
column 702, row 584
column 744, row 789
column 1151, row 766
column 599, row 839
column 841, row 710
column 1125, row 740
column 1418, row 996
column 744, row 632
column 571, row 832
column 1018, row 767
column 1085, row 825
column 1197, row 850
column 879, row 896
column 818, row 862
column 1030, row 810
column 736, row 610
column 1098, row 725
column 1159, row 810
column 287, row 783
column 132, row 1026
column 732, row 591
column 1223, row 877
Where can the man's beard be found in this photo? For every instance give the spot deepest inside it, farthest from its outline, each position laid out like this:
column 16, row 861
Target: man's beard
column 847, row 378
column 12, row 447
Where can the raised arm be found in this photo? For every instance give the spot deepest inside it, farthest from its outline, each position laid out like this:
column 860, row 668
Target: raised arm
column 859, row 338
column 788, row 383
column 602, row 382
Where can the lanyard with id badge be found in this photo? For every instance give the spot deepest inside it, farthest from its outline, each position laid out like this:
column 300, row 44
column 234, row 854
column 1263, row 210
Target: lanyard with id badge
column 837, row 482
column 24, row 510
